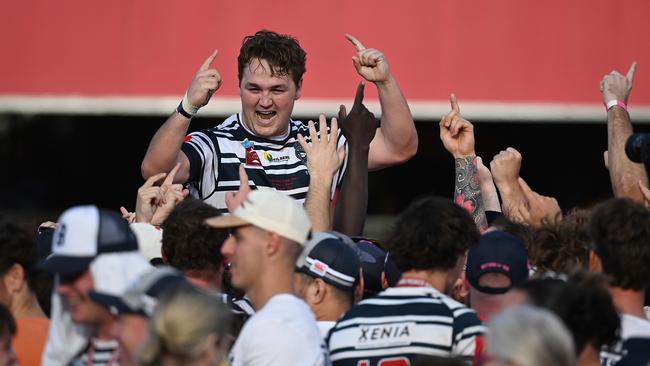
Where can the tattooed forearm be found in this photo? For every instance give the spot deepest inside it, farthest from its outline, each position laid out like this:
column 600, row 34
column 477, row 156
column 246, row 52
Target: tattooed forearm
column 467, row 191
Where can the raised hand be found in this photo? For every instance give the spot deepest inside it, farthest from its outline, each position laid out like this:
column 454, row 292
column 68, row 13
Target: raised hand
column 323, row 157
column 536, row 209
column 173, row 194
column 360, row 126
column 370, row 63
column 206, row 81
column 149, row 198
column 616, row 86
column 235, row 199
column 126, row 215
column 456, row 133
column 505, row 168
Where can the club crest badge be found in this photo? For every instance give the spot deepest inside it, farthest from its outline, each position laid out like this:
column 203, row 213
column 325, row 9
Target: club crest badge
column 252, row 159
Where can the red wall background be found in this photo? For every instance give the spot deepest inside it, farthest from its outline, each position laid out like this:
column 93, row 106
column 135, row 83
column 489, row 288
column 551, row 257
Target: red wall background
column 497, row 50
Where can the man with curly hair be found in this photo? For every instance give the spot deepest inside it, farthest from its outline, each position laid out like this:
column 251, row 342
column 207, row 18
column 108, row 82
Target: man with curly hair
column 620, row 230
column 428, row 244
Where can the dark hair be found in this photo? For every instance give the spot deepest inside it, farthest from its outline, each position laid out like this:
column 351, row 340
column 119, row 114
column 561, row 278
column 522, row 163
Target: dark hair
column 562, row 246
column 188, row 242
column 584, row 305
column 17, row 245
column 620, row 230
column 431, row 234
column 7, row 322
column 281, row 51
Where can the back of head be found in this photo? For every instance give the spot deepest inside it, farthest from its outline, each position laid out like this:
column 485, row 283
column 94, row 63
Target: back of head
column 529, row 336
column 620, row 230
column 431, row 234
column 281, row 51
column 18, row 246
column 578, row 302
column 188, row 242
column 187, row 323
column 497, row 252
column 561, row 246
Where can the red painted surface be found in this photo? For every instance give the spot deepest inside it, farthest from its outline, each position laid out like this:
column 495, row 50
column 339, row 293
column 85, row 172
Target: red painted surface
column 498, row 50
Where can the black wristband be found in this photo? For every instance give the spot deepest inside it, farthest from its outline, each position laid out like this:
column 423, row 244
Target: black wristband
column 182, row 111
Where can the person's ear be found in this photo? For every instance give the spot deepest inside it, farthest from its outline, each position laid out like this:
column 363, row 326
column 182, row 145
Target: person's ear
column 273, row 244
column 595, row 264
column 298, row 89
column 320, row 291
column 358, row 291
column 384, row 281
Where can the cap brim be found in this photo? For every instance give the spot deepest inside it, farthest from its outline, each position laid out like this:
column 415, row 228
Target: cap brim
column 114, row 304
column 65, row 265
column 226, row 221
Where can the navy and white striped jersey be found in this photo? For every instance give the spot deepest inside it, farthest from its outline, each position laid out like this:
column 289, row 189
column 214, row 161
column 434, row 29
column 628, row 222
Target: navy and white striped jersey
column 401, row 323
column 216, row 153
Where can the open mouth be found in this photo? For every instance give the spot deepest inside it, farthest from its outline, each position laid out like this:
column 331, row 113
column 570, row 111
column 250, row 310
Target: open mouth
column 265, row 114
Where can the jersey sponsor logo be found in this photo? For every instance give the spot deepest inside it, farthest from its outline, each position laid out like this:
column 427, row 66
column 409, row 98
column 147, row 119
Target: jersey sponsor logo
column 383, row 335
column 268, row 157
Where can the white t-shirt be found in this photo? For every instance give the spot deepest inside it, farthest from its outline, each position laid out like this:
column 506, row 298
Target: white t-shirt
column 324, row 326
column 283, row 332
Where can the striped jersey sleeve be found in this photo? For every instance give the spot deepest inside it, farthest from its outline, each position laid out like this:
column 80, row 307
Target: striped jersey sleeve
column 402, row 323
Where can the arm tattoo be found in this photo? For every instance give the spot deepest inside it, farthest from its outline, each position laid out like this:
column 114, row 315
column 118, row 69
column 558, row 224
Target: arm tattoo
column 467, row 191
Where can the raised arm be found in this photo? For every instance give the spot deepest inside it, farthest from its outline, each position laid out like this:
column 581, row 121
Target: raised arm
column 623, row 173
column 457, row 135
column 397, row 140
column 323, row 161
column 359, row 128
column 165, row 147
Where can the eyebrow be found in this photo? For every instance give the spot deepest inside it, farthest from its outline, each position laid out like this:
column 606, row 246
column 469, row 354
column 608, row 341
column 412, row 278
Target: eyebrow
column 275, row 86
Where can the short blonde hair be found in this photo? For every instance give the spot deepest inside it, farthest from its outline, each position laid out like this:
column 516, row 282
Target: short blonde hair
column 185, row 323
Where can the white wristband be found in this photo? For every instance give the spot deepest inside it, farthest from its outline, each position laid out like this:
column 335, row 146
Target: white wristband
column 615, row 102
column 189, row 107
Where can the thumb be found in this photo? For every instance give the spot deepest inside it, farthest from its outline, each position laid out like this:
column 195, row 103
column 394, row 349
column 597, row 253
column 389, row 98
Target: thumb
column 342, row 112
column 341, row 152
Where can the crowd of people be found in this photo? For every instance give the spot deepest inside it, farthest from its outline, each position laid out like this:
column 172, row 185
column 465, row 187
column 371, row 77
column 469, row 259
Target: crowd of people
column 246, row 245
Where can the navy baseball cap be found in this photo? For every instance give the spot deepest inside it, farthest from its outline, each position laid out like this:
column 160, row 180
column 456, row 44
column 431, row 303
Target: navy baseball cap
column 142, row 296
column 328, row 257
column 83, row 233
column 497, row 252
column 374, row 262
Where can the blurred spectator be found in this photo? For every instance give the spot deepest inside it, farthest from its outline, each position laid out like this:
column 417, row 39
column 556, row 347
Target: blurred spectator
column 620, row 230
column 188, row 327
column 528, row 336
column 92, row 249
column 18, row 284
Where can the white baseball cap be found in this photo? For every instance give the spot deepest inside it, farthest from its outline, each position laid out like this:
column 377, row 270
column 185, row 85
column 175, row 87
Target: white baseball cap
column 269, row 210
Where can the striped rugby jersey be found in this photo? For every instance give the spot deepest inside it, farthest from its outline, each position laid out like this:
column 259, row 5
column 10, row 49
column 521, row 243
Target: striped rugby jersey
column 216, row 153
column 401, row 323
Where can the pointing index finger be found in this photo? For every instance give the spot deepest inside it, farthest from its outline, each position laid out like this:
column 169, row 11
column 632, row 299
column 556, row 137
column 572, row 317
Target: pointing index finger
column 454, row 103
column 208, row 61
column 631, row 72
column 359, row 46
column 170, row 177
column 358, row 97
